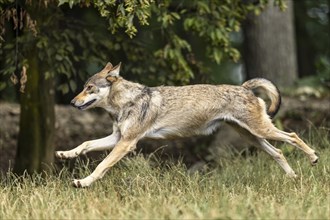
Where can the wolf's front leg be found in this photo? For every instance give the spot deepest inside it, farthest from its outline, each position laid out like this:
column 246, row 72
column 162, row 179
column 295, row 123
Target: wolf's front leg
column 121, row 149
column 95, row 145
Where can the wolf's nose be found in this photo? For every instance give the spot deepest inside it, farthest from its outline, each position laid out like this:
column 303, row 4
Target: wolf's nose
column 73, row 102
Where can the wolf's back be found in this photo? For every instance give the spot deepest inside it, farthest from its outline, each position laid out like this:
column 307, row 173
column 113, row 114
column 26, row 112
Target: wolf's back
column 271, row 91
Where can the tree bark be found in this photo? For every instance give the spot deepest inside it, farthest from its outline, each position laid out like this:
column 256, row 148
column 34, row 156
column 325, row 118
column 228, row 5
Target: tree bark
column 270, row 45
column 37, row 121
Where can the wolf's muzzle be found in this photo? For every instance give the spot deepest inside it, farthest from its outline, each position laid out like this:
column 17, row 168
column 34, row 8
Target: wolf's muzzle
column 73, row 102
column 82, row 107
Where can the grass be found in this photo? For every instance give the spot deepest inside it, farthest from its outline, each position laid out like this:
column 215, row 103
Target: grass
column 253, row 187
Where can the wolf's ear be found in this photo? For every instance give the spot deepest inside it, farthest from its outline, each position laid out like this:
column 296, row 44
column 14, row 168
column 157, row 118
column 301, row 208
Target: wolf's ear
column 115, row 70
column 113, row 74
column 107, row 68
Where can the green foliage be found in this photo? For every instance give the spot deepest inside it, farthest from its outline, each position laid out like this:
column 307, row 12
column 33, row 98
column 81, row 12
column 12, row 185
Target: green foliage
column 119, row 15
column 320, row 81
column 213, row 24
column 312, row 22
column 317, row 27
column 59, row 46
column 171, row 38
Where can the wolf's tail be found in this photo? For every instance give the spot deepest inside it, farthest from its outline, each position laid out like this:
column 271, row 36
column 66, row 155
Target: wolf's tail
column 271, row 91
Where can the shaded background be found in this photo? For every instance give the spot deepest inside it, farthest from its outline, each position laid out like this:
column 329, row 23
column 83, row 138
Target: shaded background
column 49, row 48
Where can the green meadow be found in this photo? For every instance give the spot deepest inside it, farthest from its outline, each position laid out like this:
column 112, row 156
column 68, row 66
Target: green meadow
column 142, row 187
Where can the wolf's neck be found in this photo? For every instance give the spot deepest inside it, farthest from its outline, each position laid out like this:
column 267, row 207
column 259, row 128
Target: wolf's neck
column 121, row 94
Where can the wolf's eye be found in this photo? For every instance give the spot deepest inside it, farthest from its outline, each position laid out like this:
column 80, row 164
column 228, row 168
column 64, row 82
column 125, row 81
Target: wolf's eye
column 89, row 87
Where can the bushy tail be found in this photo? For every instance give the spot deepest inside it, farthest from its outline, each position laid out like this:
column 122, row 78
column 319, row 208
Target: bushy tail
column 271, row 91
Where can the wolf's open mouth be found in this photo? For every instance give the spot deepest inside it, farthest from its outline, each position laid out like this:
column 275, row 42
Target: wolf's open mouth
column 86, row 105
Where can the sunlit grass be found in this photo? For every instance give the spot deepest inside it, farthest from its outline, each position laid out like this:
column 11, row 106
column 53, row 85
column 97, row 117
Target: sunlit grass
column 252, row 187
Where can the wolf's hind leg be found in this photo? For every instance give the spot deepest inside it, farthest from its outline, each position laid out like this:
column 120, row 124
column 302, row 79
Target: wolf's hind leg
column 267, row 147
column 293, row 139
column 105, row 143
column 261, row 126
column 278, row 156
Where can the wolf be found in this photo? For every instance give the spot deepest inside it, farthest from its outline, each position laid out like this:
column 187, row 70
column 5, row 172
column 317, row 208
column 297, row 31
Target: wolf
column 167, row 112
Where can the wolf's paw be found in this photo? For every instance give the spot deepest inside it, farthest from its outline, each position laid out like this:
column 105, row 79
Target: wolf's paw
column 81, row 183
column 76, row 183
column 292, row 175
column 64, row 155
column 60, row 155
column 314, row 159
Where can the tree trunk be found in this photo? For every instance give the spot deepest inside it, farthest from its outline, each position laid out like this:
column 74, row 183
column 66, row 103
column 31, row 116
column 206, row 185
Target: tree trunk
column 36, row 136
column 270, row 45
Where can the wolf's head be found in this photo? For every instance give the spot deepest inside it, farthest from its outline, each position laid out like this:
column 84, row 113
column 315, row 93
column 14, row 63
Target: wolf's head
column 96, row 88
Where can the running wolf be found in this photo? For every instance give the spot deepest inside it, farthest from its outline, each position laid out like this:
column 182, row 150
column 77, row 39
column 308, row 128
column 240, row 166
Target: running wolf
column 166, row 112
